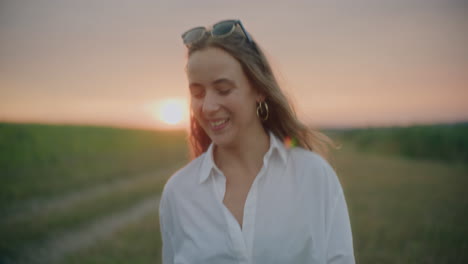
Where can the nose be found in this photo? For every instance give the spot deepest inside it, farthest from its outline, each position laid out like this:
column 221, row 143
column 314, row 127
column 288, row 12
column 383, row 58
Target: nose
column 210, row 104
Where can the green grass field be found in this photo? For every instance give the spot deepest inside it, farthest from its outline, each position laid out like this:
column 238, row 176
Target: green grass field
column 405, row 211
column 34, row 159
column 445, row 142
column 138, row 243
column 402, row 210
column 60, row 178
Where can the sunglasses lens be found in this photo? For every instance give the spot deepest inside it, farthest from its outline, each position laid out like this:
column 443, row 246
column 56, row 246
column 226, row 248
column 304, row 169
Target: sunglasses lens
column 223, row 28
column 193, row 35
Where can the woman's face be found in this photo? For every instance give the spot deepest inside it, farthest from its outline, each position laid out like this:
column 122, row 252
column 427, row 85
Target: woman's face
column 222, row 99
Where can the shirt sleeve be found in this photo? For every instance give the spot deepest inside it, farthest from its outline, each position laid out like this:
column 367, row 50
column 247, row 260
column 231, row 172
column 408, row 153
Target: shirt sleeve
column 339, row 237
column 164, row 221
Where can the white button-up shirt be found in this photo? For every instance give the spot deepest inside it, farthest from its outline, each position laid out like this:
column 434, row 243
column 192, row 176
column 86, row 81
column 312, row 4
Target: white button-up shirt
column 295, row 212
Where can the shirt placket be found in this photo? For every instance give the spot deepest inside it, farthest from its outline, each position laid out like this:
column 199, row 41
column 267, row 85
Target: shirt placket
column 250, row 208
column 249, row 217
column 234, row 230
column 242, row 239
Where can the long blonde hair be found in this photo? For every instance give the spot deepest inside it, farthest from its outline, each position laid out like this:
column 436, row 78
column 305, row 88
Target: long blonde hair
column 282, row 121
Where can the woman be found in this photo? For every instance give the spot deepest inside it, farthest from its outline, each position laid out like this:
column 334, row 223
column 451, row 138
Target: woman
column 245, row 197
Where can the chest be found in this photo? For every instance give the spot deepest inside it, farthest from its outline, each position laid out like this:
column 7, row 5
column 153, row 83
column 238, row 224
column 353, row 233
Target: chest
column 277, row 227
column 235, row 197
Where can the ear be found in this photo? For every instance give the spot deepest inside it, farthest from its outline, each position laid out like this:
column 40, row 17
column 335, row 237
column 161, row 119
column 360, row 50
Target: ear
column 260, row 97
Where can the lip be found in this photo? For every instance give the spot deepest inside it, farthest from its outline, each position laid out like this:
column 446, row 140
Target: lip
column 219, row 126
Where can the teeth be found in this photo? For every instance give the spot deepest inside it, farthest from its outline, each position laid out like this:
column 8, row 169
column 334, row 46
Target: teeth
column 218, row 122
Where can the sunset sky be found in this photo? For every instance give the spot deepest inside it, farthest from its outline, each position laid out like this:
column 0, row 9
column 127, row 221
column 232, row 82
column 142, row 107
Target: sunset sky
column 342, row 63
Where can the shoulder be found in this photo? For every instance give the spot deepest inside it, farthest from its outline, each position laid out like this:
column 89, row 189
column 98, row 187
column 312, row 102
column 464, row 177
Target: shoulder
column 309, row 160
column 184, row 178
column 314, row 169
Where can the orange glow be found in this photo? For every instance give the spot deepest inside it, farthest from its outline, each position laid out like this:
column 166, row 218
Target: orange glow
column 172, row 112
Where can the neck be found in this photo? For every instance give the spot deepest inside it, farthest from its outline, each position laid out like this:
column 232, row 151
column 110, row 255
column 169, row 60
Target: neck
column 247, row 154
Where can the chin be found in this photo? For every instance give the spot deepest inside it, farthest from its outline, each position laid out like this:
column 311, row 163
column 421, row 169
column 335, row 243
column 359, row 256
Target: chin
column 222, row 140
column 225, row 139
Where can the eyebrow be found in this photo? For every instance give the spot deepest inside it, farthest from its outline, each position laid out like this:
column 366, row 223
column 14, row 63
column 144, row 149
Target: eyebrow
column 216, row 82
column 224, row 80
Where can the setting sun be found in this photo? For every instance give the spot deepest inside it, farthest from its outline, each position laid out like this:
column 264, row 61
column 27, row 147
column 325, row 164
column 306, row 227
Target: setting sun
column 171, row 111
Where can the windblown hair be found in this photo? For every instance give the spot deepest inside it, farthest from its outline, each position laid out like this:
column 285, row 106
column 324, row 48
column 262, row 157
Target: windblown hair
column 282, row 120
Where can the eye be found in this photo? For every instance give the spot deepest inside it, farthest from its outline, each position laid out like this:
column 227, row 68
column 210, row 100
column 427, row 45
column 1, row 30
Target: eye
column 224, row 91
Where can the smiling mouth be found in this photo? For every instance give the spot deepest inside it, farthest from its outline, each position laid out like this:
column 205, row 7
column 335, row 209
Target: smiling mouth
column 217, row 125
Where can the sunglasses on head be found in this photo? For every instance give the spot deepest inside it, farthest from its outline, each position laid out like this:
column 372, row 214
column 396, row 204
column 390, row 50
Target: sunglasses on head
column 219, row 30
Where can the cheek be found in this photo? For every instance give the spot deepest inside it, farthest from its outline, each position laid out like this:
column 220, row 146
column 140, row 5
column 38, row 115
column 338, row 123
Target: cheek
column 194, row 104
column 195, row 107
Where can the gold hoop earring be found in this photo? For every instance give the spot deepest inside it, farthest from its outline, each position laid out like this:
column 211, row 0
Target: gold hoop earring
column 262, row 111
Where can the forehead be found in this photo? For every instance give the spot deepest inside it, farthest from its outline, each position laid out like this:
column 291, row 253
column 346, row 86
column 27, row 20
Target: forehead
column 209, row 64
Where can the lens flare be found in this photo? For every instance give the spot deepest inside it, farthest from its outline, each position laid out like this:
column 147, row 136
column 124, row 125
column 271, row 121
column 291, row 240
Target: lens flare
column 171, row 112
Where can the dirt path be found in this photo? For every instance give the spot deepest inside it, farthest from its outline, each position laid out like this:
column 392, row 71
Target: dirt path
column 56, row 248
column 34, row 208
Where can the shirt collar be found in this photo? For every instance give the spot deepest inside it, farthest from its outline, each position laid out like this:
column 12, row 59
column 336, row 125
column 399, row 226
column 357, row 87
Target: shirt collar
column 208, row 163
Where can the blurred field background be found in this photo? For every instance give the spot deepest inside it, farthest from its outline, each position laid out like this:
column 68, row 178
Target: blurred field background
column 76, row 194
